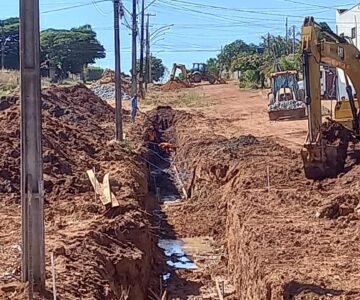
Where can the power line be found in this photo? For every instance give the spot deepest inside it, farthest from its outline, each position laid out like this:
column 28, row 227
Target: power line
column 317, row 5
column 74, row 6
column 178, row 3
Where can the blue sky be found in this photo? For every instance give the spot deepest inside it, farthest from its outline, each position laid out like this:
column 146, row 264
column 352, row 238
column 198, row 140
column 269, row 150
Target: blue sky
column 199, row 30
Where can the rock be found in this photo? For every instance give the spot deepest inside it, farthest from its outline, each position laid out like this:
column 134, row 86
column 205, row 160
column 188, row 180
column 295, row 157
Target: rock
column 284, row 105
column 106, row 91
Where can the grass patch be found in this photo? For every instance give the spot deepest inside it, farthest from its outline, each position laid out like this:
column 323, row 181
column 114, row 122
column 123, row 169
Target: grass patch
column 9, row 81
column 181, row 99
column 194, row 99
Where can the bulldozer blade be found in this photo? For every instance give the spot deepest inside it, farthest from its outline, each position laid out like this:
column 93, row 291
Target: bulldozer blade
column 323, row 161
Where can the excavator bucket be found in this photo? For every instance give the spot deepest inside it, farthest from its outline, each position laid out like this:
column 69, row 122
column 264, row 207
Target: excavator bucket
column 322, row 162
column 326, row 158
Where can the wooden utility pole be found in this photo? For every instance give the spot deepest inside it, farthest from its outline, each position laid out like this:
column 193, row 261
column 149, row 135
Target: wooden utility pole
column 118, row 94
column 147, row 58
column 134, row 35
column 294, row 40
column 2, row 45
column 142, row 41
column 286, row 36
column 220, row 63
column 32, row 201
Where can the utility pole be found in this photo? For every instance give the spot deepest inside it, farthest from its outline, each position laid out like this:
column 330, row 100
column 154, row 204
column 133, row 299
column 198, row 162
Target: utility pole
column 286, row 37
column 147, row 58
column 150, row 66
column 2, row 45
column 134, row 35
column 294, row 40
column 32, row 201
column 142, row 41
column 220, row 65
column 118, row 94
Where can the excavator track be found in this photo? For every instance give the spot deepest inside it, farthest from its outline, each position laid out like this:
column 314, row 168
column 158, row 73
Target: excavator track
column 326, row 159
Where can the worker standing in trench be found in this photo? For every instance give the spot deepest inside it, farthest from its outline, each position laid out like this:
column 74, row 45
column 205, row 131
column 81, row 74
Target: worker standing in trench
column 134, row 107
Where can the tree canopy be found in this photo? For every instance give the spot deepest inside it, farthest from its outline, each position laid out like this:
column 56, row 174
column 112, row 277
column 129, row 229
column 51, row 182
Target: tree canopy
column 71, row 49
column 257, row 62
column 232, row 50
column 10, row 38
column 157, row 68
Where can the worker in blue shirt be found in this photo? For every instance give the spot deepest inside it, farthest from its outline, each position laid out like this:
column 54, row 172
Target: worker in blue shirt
column 134, row 107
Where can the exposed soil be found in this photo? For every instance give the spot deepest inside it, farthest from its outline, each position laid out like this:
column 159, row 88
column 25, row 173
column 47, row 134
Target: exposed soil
column 249, row 219
column 282, row 238
column 100, row 252
column 173, row 85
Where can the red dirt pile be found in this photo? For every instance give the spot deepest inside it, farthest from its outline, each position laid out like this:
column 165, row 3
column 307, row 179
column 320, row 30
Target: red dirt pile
column 100, row 252
column 173, row 85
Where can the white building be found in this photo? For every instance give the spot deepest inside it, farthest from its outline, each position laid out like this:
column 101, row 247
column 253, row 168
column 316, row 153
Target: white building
column 348, row 23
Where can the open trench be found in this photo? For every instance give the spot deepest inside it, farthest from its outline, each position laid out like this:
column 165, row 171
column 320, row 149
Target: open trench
column 237, row 217
column 188, row 259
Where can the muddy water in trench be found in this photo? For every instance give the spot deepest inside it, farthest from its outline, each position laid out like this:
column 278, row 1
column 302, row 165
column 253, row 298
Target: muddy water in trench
column 184, row 259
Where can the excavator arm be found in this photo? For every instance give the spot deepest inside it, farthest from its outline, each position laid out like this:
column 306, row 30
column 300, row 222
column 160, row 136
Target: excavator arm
column 182, row 69
column 322, row 157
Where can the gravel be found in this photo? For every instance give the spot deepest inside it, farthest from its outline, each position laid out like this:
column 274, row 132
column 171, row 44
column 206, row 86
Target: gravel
column 106, row 91
column 283, row 105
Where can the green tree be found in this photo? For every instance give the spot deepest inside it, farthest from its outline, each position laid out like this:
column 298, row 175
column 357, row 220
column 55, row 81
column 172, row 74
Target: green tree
column 157, row 68
column 71, row 49
column 9, row 35
column 232, row 50
column 251, row 66
column 213, row 65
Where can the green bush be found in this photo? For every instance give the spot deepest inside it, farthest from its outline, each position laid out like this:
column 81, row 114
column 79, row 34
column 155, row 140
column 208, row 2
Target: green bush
column 251, row 76
column 93, row 73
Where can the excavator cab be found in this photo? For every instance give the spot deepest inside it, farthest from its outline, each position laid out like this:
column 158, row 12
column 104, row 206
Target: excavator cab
column 325, row 149
column 286, row 100
column 200, row 72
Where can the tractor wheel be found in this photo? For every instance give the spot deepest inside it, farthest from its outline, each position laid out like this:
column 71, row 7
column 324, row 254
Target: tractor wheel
column 197, row 78
column 212, row 80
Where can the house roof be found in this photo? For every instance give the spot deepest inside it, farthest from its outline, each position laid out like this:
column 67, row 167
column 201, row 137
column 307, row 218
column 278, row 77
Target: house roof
column 344, row 10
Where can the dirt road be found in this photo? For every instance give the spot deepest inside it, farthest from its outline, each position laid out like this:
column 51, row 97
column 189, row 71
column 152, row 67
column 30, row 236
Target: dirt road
column 246, row 112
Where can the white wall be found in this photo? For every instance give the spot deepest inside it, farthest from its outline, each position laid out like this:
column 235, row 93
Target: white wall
column 346, row 21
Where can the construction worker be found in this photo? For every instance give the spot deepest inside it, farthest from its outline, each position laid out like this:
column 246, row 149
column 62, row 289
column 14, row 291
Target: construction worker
column 134, row 107
column 167, row 147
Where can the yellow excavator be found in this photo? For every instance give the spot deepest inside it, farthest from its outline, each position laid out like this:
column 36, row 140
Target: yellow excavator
column 325, row 149
column 198, row 73
column 184, row 72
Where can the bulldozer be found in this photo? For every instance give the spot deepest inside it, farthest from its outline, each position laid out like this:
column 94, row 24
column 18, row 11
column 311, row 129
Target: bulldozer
column 197, row 74
column 286, row 100
column 326, row 145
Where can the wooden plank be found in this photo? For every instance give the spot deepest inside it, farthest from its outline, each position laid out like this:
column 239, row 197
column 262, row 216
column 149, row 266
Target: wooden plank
column 180, row 182
column 107, row 191
column 97, row 187
column 220, row 294
column 106, row 187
